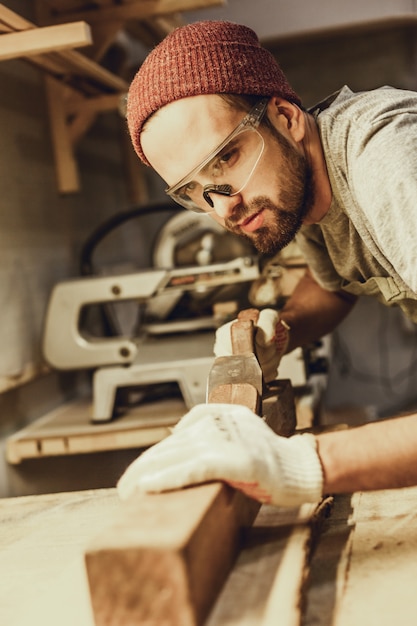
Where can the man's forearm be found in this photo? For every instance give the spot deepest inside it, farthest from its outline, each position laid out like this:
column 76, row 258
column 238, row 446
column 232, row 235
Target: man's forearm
column 380, row 455
column 312, row 312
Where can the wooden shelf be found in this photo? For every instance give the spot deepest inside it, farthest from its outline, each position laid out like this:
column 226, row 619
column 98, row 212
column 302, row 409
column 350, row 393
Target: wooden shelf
column 78, row 87
column 63, row 64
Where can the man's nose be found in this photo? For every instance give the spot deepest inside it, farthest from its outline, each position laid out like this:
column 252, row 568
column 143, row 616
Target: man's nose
column 225, row 205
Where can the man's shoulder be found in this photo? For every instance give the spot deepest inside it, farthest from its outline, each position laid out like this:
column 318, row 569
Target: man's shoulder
column 381, row 100
column 349, row 121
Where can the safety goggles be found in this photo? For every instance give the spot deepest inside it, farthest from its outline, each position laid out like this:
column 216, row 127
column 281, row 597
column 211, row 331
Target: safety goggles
column 225, row 171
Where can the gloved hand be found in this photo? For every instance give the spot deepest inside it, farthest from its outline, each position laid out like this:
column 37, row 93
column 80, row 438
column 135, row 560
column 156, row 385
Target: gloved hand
column 229, row 442
column 271, row 341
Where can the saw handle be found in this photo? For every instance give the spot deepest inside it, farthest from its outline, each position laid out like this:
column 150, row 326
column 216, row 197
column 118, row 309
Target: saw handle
column 243, row 331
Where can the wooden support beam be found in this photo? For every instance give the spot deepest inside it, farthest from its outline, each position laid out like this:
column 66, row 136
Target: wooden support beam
column 97, row 104
column 85, row 115
column 136, row 9
column 134, row 172
column 167, row 556
column 71, row 114
column 13, row 20
column 40, row 40
column 65, row 163
column 90, row 77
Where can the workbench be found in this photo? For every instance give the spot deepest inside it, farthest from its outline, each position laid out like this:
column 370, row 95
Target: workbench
column 362, row 572
column 65, row 451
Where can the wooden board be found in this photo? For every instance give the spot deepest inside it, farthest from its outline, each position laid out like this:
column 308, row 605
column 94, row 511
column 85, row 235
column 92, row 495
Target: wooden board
column 166, row 558
column 269, row 578
column 69, row 430
column 40, row 40
column 158, row 564
column 44, row 538
column 379, row 564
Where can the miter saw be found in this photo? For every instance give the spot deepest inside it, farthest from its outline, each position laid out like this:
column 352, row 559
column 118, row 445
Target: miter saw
column 201, row 276
column 196, row 264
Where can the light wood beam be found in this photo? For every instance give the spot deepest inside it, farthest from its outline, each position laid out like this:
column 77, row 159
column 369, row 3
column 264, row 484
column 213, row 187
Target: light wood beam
column 14, row 20
column 46, row 39
column 65, row 163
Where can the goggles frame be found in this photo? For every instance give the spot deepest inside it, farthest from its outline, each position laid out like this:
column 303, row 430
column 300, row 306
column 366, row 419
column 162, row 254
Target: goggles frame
column 251, row 121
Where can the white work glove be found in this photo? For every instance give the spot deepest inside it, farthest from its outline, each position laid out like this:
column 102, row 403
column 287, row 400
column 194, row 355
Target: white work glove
column 271, row 341
column 229, row 442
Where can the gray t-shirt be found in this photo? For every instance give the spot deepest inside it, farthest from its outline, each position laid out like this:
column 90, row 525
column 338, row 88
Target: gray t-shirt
column 367, row 242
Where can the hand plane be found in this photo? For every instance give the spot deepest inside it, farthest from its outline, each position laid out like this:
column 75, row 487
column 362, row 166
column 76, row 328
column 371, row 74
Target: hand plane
column 238, row 379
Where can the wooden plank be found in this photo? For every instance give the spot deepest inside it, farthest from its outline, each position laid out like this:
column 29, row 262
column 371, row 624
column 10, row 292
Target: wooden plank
column 42, row 542
column 41, row 40
column 268, row 581
column 44, row 537
column 285, row 598
column 166, row 558
column 158, row 564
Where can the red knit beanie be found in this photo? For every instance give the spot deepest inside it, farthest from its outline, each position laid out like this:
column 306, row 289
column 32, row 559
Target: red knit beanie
column 207, row 57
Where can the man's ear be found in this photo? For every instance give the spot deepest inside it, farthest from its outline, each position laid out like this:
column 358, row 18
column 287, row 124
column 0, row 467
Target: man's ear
column 288, row 117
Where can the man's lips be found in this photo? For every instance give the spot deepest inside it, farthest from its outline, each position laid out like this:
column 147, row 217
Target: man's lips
column 252, row 223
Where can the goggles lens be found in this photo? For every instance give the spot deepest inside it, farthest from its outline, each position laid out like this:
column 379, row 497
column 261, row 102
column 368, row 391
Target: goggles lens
column 230, row 166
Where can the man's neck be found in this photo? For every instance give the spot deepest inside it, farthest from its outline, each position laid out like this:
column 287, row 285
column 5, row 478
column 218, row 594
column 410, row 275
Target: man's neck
column 314, row 153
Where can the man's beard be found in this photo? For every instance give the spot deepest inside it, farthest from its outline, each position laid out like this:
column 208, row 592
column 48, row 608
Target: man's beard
column 296, row 200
